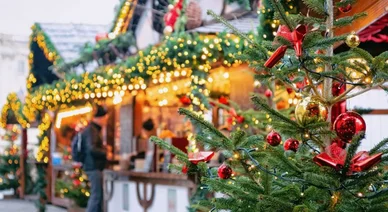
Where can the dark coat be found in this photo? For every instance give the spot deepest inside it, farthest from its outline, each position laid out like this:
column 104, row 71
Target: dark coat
column 95, row 153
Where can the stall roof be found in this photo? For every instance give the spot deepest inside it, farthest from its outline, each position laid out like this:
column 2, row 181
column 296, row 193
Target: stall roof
column 68, row 39
column 54, row 44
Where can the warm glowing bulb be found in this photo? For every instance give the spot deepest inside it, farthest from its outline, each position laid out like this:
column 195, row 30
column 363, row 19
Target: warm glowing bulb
column 117, row 99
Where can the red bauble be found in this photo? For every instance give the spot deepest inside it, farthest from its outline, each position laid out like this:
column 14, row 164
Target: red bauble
column 289, row 90
column 184, row 169
column 274, row 138
column 349, row 124
column 76, row 182
column 268, row 93
column 101, row 36
column 223, row 100
column 65, row 157
column 345, row 9
column 224, row 171
column 185, row 100
column 291, row 144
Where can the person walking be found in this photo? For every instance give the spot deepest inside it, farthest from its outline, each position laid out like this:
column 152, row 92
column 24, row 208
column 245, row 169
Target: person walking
column 94, row 157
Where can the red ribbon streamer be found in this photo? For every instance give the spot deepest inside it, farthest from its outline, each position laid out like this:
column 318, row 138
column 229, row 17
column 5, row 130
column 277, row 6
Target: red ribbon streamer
column 197, row 157
column 295, row 37
column 335, row 157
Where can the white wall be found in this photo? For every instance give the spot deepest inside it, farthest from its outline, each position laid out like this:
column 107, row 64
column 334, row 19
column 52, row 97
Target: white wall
column 376, row 125
column 13, row 65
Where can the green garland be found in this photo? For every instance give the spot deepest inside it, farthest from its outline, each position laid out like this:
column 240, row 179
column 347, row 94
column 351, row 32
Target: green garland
column 40, row 187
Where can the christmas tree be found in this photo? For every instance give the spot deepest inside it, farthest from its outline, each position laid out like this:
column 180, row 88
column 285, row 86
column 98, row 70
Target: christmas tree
column 75, row 186
column 309, row 160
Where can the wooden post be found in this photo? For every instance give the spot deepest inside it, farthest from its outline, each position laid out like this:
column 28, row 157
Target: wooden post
column 49, row 166
column 23, row 157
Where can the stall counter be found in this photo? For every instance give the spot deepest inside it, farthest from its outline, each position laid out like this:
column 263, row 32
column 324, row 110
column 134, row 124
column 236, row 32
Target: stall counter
column 147, row 192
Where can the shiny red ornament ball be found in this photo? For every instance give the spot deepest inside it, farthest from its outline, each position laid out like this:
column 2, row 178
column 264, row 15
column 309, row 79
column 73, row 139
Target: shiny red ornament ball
column 291, row 144
column 289, row 90
column 274, row 138
column 224, row 171
column 268, row 93
column 184, row 169
column 349, row 124
column 345, row 9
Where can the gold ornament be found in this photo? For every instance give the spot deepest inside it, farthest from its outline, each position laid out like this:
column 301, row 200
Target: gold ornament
column 352, row 40
column 310, row 110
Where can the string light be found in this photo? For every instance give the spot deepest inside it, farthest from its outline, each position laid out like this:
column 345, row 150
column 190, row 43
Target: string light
column 72, row 112
column 44, row 126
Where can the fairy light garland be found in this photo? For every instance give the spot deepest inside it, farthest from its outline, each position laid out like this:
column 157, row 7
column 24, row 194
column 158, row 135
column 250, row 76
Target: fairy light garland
column 124, row 17
column 44, row 43
column 13, row 104
column 174, row 54
column 42, row 154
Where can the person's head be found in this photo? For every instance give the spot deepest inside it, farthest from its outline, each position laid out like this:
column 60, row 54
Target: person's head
column 148, row 125
column 100, row 116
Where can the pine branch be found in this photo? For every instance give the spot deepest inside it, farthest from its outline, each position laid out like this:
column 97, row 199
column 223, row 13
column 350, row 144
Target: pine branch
column 326, row 42
column 231, row 27
column 348, row 20
column 315, row 5
column 356, row 142
column 267, row 181
column 169, row 147
column 364, row 54
column 238, row 137
column 261, row 103
column 286, row 161
column 205, row 124
column 212, row 142
column 282, row 14
column 378, row 146
column 251, row 140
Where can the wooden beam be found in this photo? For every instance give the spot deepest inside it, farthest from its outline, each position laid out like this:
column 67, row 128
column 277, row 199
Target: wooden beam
column 375, row 10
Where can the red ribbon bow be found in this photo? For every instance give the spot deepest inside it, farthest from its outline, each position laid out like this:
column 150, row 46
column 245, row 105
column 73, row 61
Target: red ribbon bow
column 233, row 115
column 335, row 157
column 295, row 37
